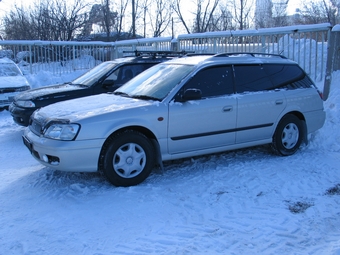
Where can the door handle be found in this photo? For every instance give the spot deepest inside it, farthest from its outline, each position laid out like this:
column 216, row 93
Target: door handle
column 227, row 108
column 279, row 101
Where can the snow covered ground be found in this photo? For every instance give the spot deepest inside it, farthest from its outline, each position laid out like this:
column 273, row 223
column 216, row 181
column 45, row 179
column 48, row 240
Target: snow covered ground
column 241, row 202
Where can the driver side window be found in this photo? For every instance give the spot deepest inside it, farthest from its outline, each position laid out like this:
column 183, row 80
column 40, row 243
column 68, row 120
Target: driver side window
column 212, row 81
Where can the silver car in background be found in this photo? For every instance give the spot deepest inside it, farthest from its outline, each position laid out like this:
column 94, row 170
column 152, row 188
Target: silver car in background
column 181, row 108
column 12, row 82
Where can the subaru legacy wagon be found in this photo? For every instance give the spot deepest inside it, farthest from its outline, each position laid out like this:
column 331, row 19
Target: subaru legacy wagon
column 180, row 108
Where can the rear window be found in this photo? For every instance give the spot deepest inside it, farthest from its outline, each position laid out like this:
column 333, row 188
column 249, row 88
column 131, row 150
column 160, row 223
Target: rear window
column 252, row 78
column 287, row 76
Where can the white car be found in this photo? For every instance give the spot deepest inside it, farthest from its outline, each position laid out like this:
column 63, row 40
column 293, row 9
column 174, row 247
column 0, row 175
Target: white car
column 181, row 108
column 12, row 82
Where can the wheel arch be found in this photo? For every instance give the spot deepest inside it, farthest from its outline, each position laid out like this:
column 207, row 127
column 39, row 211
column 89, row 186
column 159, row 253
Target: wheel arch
column 145, row 131
column 301, row 117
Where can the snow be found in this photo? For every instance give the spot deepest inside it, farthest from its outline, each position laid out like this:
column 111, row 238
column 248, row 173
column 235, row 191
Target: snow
column 240, row 202
column 10, row 74
column 86, row 107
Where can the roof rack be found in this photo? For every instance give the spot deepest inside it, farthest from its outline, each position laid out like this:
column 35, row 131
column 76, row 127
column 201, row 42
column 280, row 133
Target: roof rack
column 200, row 54
column 252, row 54
column 164, row 53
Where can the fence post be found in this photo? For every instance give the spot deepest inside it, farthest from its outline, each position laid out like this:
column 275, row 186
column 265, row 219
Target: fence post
column 333, row 59
column 174, row 45
column 31, row 56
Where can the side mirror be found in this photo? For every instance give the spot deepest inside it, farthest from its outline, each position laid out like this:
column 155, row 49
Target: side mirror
column 191, row 94
column 108, row 83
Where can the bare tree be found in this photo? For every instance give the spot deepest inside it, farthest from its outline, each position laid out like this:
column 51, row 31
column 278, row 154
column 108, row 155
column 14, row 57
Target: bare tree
column 121, row 7
column 202, row 17
column 280, row 17
column 108, row 19
column 144, row 7
column 223, row 19
column 69, row 20
column 42, row 22
column 18, row 25
column 48, row 20
column 332, row 8
column 313, row 13
column 321, row 11
column 242, row 13
column 162, row 18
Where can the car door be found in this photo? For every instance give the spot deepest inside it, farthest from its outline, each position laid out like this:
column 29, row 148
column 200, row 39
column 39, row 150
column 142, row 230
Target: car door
column 208, row 122
column 259, row 103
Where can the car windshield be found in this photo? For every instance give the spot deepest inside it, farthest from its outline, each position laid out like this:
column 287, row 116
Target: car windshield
column 92, row 76
column 7, row 70
column 156, row 82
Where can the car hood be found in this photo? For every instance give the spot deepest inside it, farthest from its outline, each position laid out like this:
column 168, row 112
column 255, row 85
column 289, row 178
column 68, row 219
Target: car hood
column 87, row 107
column 13, row 82
column 46, row 92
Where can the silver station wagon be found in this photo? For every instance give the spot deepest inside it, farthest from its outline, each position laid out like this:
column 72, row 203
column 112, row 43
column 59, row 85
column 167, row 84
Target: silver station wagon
column 181, row 108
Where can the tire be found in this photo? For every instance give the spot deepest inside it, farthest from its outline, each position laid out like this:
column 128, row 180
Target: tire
column 128, row 158
column 288, row 135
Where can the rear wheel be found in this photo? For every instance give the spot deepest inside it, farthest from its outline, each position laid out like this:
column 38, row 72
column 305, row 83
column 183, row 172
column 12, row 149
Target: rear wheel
column 288, row 135
column 128, row 158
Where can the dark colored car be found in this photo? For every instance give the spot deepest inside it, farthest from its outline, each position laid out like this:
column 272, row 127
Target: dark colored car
column 105, row 77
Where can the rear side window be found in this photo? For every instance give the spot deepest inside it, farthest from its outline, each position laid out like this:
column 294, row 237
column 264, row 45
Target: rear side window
column 251, row 78
column 287, row 76
column 213, row 81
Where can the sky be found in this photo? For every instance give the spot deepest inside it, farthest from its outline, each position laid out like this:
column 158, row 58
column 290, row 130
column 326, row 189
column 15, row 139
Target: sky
column 239, row 202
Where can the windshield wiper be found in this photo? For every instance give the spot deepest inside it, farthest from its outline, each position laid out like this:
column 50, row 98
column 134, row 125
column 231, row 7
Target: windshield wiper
column 146, row 97
column 123, row 94
column 75, row 84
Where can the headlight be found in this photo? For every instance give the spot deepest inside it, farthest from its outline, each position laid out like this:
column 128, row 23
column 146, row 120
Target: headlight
column 59, row 131
column 26, row 104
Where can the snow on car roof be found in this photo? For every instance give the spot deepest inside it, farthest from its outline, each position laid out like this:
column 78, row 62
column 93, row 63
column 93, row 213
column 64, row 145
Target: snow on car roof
column 189, row 60
column 232, row 59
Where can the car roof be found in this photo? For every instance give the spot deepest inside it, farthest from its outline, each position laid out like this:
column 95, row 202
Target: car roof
column 232, row 58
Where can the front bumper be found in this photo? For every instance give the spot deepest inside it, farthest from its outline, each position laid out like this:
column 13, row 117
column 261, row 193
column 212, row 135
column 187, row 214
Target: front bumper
column 20, row 115
column 71, row 156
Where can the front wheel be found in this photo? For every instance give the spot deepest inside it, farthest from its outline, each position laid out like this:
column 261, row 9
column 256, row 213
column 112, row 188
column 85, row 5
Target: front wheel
column 288, row 135
column 128, row 158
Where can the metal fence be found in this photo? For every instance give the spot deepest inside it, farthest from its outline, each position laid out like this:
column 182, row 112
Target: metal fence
column 64, row 57
column 305, row 44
